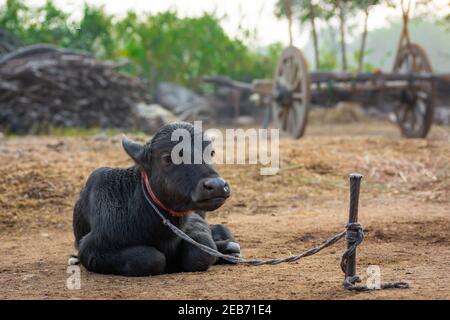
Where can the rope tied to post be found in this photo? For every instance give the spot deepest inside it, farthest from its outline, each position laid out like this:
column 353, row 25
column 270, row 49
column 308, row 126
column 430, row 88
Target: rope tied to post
column 353, row 234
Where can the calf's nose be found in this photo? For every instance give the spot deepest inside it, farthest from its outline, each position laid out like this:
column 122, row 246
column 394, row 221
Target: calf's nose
column 217, row 187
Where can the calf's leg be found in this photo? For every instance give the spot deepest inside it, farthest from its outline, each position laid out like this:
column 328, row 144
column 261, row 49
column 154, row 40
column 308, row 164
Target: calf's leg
column 192, row 258
column 135, row 261
column 225, row 242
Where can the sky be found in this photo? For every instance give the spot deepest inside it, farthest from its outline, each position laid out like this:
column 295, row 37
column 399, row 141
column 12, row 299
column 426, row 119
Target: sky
column 247, row 13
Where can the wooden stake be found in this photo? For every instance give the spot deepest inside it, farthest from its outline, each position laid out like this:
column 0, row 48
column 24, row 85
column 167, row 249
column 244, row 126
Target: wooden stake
column 355, row 183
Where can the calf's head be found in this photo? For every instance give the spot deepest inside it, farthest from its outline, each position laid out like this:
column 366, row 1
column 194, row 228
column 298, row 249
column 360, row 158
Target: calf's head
column 179, row 180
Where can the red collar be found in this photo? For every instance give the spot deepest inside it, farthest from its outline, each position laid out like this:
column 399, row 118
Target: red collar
column 173, row 213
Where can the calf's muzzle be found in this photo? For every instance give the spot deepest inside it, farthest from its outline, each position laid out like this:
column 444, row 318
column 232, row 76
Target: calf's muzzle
column 210, row 193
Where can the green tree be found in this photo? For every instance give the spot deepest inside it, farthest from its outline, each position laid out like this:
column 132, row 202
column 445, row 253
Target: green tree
column 169, row 48
column 364, row 5
column 161, row 47
column 12, row 16
column 305, row 11
column 94, row 32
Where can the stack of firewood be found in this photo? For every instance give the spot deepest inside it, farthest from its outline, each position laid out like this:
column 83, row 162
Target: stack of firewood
column 43, row 87
column 9, row 42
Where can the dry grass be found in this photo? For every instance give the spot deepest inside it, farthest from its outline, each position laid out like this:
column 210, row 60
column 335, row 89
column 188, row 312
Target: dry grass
column 40, row 177
column 405, row 201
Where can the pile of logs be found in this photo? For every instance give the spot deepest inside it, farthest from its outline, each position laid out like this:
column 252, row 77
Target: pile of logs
column 9, row 42
column 43, row 87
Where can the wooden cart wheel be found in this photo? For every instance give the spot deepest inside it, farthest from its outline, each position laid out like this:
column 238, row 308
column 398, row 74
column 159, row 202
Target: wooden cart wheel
column 291, row 93
column 414, row 109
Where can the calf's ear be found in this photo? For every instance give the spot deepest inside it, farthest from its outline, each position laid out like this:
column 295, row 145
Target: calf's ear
column 134, row 150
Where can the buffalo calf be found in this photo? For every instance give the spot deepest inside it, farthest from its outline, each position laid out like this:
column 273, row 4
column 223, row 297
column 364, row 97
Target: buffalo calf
column 118, row 232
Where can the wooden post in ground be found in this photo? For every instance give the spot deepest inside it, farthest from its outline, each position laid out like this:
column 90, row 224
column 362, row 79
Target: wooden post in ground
column 355, row 183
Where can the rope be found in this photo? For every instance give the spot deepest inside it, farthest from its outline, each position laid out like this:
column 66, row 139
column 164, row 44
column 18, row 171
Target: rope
column 355, row 236
column 353, row 232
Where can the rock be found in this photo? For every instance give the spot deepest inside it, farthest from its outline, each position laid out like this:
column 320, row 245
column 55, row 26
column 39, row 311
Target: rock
column 442, row 116
column 223, row 110
column 183, row 102
column 152, row 117
column 383, row 113
column 117, row 138
column 102, row 136
column 28, row 277
column 244, row 121
column 58, row 146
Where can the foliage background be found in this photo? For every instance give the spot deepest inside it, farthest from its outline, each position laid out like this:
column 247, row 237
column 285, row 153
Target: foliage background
column 169, row 47
column 161, row 47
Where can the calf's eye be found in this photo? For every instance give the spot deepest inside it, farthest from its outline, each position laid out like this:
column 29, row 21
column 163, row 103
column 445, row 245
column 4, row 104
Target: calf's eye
column 213, row 153
column 167, row 158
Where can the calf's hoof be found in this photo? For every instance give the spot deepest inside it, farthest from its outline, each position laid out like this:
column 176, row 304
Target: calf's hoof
column 232, row 248
column 73, row 261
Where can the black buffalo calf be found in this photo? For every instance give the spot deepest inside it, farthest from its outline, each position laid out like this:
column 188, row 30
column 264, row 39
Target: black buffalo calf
column 116, row 229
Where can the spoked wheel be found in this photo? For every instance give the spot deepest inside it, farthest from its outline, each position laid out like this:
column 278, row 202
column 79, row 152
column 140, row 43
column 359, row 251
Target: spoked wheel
column 291, row 93
column 414, row 109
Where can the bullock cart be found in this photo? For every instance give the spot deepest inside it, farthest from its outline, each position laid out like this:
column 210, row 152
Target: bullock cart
column 408, row 89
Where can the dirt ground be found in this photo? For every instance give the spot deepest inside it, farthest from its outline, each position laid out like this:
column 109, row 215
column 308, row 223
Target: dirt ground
column 404, row 208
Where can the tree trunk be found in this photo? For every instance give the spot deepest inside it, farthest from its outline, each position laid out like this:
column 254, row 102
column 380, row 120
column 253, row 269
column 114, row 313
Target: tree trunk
column 289, row 14
column 363, row 41
column 312, row 15
column 341, row 7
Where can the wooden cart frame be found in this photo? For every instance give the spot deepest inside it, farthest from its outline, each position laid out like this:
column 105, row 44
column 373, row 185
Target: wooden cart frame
column 408, row 89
